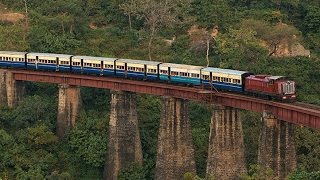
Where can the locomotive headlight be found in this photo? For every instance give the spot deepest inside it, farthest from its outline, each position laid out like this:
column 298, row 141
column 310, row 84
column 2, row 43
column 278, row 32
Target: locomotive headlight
column 284, row 97
column 293, row 96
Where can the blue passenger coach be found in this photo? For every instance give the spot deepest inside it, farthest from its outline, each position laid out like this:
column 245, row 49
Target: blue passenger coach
column 224, row 79
column 138, row 69
column 48, row 61
column 93, row 65
column 180, row 73
column 12, row 59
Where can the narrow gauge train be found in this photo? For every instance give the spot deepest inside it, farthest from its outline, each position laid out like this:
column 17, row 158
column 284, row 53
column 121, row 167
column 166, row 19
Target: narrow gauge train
column 264, row 86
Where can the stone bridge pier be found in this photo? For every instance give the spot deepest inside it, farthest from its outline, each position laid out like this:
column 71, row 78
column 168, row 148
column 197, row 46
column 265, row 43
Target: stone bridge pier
column 124, row 145
column 11, row 91
column 277, row 147
column 226, row 158
column 175, row 154
column 69, row 103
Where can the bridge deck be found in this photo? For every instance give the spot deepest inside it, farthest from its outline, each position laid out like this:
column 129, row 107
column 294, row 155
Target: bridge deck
column 298, row 113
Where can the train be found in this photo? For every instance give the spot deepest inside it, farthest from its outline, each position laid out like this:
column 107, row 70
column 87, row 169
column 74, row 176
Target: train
column 262, row 86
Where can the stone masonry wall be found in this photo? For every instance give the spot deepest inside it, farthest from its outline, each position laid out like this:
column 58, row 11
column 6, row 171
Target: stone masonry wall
column 124, row 145
column 175, row 154
column 226, row 158
column 277, row 147
column 11, row 91
column 3, row 88
column 68, row 108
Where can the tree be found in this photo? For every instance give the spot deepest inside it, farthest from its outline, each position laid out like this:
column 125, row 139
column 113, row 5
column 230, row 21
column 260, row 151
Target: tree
column 155, row 13
column 301, row 175
column 257, row 172
column 273, row 35
column 130, row 9
column 132, row 172
column 240, row 49
column 312, row 19
column 88, row 140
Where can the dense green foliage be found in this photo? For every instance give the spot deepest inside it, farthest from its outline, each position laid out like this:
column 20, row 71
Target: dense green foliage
column 28, row 144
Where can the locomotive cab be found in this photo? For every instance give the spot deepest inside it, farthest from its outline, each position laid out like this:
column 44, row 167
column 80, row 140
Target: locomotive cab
column 272, row 87
column 287, row 89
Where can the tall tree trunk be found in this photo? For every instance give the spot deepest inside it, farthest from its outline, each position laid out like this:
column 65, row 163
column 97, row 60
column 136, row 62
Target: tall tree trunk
column 208, row 48
column 130, row 25
column 150, row 43
column 275, row 46
column 26, row 23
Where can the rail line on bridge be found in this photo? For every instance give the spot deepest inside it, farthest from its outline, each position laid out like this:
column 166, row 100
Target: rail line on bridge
column 294, row 113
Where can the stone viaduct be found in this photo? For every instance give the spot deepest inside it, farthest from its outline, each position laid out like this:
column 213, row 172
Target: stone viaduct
column 175, row 152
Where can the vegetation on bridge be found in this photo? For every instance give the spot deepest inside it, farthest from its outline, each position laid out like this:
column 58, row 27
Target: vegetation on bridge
column 244, row 35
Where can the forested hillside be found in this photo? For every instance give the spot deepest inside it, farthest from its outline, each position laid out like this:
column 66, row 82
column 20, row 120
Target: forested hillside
column 262, row 36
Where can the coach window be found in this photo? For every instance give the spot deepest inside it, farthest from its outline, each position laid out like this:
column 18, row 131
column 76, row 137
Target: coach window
column 205, row 77
column 174, row 73
column 152, row 71
column 234, row 81
column 194, row 75
column 120, row 67
column 109, row 66
column 163, row 71
column 140, row 69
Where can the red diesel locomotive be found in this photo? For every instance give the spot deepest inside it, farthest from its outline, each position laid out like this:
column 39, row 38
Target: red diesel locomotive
column 271, row 87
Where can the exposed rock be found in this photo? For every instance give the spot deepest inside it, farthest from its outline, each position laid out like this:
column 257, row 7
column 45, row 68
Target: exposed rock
column 11, row 17
column 168, row 42
column 284, row 49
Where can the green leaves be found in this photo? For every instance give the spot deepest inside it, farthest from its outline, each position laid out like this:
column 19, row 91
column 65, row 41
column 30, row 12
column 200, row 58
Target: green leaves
column 41, row 136
column 133, row 172
column 312, row 19
column 302, row 175
column 88, row 140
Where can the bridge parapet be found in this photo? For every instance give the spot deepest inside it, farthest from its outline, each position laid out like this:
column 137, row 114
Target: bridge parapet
column 288, row 112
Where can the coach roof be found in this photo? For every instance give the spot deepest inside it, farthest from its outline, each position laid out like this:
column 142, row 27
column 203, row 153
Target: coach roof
column 181, row 66
column 12, row 52
column 49, row 55
column 94, row 58
column 133, row 61
column 224, row 71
